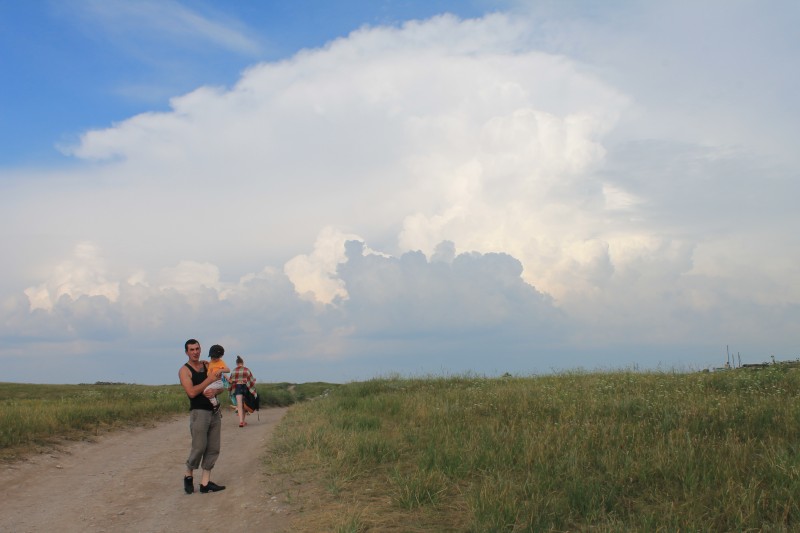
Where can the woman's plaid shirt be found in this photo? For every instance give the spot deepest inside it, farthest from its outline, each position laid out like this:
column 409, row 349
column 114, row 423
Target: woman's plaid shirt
column 242, row 374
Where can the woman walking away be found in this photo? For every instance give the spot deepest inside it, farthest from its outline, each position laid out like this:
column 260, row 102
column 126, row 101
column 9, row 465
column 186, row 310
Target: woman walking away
column 242, row 383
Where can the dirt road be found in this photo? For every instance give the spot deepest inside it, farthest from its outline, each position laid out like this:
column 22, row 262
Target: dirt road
column 132, row 481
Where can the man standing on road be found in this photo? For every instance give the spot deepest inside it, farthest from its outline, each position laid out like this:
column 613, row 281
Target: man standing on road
column 204, row 424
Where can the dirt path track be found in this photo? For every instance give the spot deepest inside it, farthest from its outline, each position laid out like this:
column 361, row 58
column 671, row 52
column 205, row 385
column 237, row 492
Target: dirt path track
column 131, row 481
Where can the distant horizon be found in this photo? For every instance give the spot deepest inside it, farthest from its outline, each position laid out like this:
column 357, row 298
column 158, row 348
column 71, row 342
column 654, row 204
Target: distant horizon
column 736, row 364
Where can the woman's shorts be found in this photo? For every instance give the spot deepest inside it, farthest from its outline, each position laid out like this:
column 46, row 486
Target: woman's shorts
column 240, row 389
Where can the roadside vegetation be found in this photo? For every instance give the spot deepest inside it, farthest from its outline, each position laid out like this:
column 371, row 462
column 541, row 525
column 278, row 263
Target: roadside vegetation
column 617, row 451
column 37, row 417
column 614, row 451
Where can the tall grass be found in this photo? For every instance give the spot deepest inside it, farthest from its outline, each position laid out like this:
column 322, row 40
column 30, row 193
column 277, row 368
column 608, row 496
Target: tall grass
column 36, row 416
column 285, row 394
column 573, row 452
column 32, row 416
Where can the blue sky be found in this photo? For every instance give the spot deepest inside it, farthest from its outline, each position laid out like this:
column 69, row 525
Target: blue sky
column 338, row 191
column 77, row 64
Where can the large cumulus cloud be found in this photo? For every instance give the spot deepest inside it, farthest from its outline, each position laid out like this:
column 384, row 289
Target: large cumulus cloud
column 499, row 196
column 405, row 312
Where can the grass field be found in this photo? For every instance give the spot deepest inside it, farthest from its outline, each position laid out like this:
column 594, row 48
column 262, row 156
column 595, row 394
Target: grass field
column 34, row 417
column 614, row 451
column 571, row 452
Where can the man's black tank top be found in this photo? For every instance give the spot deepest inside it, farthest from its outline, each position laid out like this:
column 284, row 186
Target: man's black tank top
column 199, row 401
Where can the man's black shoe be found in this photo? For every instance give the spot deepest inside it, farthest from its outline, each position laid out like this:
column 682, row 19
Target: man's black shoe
column 188, row 484
column 211, row 487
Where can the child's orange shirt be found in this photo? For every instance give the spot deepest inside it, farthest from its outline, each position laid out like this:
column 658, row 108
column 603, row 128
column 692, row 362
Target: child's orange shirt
column 216, row 364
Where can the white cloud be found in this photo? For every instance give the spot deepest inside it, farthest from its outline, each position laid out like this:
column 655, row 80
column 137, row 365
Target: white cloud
column 189, row 276
column 574, row 222
column 82, row 275
column 617, row 198
column 451, row 302
column 314, row 275
column 166, row 19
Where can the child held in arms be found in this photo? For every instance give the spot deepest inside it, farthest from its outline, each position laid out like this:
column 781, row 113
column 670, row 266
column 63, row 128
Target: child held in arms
column 215, row 353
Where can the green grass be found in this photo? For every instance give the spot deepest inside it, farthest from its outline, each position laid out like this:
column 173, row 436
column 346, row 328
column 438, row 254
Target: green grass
column 285, row 394
column 33, row 417
column 617, row 451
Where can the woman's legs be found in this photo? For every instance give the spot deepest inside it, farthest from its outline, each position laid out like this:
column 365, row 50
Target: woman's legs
column 240, row 408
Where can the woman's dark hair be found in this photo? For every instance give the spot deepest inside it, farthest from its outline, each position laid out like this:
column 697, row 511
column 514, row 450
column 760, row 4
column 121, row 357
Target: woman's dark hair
column 239, row 360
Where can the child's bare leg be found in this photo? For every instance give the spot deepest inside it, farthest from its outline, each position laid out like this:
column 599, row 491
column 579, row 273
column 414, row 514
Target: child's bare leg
column 214, row 401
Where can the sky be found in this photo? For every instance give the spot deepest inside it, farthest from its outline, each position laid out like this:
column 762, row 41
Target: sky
column 338, row 191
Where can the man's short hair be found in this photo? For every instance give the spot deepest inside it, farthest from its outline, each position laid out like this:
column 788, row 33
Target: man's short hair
column 190, row 341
